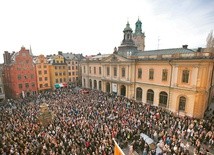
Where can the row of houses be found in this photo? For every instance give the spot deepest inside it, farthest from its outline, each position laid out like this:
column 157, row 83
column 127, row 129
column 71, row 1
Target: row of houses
column 24, row 74
column 178, row 79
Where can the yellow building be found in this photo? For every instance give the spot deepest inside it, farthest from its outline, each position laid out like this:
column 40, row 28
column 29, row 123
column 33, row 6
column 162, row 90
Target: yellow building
column 177, row 79
column 43, row 74
column 58, row 71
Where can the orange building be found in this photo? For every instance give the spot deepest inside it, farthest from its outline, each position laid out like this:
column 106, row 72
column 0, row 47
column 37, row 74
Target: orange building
column 43, row 73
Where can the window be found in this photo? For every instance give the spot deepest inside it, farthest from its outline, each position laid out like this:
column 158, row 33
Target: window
column 108, row 71
column 56, row 74
column 64, row 79
column 55, row 67
column 27, row 85
column 76, row 67
column 115, row 71
column 60, row 80
column 46, row 85
column 72, row 63
column 45, row 72
column 19, row 77
column 163, row 99
column 150, row 96
column 94, row 70
column 182, row 103
column 57, row 80
column 63, row 67
column 59, row 67
column 123, row 72
column 100, row 72
column 90, row 70
column 64, row 73
column 76, row 73
column 72, row 67
column 76, row 78
column 20, row 86
column 46, row 78
column 151, row 74
column 69, row 73
column 33, row 84
column 41, row 85
column 139, row 94
column 164, row 74
column 45, row 66
column 25, row 76
column 40, row 72
column 73, row 73
column 83, row 69
column 60, row 74
column 84, row 82
column 69, row 68
column 40, row 78
column 185, row 76
column 32, row 76
column 139, row 75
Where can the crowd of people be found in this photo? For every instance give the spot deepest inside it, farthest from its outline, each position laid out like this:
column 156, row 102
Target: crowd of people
column 85, row 124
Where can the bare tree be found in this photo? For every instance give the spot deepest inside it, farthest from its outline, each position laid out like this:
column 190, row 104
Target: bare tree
column 210, row 42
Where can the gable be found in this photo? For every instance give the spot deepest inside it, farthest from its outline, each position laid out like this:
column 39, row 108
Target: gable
column 115, row 58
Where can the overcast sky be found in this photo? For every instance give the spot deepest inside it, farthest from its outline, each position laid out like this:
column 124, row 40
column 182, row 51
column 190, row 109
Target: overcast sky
column 93, row 26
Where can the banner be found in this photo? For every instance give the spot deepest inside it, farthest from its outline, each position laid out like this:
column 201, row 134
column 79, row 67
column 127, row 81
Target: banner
column 114, row 87
column 117, row 149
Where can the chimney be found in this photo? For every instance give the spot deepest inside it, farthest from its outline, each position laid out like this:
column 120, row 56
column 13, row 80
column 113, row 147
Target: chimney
column 59, row 52
column 199, row 49
column 185, row 46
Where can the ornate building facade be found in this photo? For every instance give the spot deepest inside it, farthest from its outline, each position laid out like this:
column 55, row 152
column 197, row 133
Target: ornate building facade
column 178, row 79
column 19, row 74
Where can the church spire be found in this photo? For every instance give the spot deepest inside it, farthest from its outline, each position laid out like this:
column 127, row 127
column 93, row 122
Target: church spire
column 127, row 35
column 138, row 27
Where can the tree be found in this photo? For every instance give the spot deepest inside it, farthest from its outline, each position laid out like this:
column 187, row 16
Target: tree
column 210, row 42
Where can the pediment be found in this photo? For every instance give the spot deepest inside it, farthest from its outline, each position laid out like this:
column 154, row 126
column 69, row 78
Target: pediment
column 115, row 58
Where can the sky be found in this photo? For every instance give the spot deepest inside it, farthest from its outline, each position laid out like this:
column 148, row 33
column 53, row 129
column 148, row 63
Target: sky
column 93, row 26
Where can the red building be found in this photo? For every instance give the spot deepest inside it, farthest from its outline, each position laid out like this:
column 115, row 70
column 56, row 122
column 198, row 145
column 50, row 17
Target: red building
column 19, row 74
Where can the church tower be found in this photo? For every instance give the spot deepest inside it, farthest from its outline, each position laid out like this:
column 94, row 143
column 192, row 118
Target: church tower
column 138, row 36
column 127, row 46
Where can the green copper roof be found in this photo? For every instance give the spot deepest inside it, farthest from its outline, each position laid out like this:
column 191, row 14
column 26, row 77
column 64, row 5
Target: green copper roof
column 127, row 28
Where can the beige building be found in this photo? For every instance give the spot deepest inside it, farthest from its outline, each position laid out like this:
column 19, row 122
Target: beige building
column 74, row 68
column 177, row 79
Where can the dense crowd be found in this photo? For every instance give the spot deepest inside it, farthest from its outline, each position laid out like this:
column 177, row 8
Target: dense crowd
column 85, row 124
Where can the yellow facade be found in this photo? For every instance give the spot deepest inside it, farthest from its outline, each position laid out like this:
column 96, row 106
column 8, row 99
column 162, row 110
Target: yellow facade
column 43, row 73
column 181, row 85
column 58, row 70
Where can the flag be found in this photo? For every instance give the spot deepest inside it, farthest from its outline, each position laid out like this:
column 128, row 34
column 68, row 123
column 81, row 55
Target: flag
column 117, row 149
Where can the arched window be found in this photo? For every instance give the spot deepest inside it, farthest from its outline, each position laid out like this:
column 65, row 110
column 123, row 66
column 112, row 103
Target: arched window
column 182, row 103
column 139, row 94
column 90, row 83
column 108, row 87
column 100, row 85
column 163, row 99
column 95, row 84
column 150, row 96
